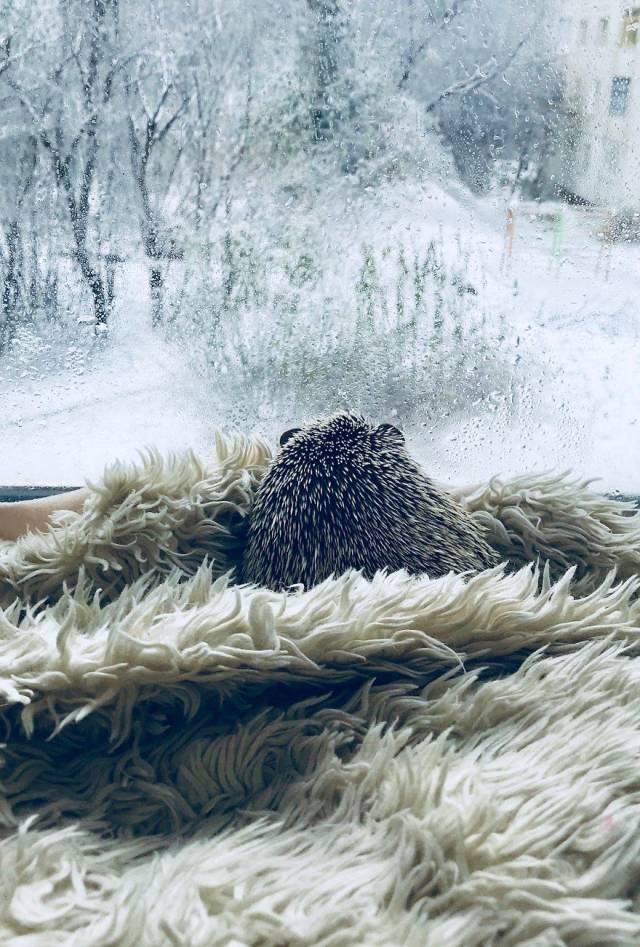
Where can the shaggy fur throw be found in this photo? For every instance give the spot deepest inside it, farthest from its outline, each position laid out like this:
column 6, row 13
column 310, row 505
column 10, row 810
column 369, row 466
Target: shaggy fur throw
column 405, row 761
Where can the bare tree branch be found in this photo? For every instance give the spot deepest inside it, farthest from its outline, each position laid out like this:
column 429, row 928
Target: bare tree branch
column 6, row 49
column 411, row 55
column 241, row 149
column 480, row 76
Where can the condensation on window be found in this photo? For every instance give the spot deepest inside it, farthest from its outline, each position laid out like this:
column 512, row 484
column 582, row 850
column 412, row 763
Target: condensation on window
column 245, row 215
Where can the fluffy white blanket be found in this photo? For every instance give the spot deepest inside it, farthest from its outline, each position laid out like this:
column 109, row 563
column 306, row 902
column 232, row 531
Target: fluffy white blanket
column 398, row 762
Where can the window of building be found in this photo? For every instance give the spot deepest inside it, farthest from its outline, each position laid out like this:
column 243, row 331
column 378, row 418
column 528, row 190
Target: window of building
column 630, row 27
column 564, row 33
column 603, row 34
column 612, row 154
column 583, row 31
column 619, row 100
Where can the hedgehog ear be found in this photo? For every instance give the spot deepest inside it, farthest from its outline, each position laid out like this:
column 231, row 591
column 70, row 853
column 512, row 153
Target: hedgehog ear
column 385, row 429
column 287, row 435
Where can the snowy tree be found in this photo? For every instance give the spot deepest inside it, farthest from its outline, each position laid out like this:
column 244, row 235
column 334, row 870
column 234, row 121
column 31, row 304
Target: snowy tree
column 481, row 69
column 156, row 103
column 139, row 128
column 65, row 105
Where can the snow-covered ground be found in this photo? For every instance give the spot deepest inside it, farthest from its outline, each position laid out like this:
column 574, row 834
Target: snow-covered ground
column 575, row 300
column 568, row 300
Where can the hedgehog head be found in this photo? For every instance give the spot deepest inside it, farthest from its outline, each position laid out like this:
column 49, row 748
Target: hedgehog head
column 339, row 438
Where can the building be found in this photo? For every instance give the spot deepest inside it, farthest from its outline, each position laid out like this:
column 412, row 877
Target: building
column 599, row 44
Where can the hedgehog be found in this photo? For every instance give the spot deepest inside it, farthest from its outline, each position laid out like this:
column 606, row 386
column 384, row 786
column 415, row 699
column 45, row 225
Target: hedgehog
column 342, row 494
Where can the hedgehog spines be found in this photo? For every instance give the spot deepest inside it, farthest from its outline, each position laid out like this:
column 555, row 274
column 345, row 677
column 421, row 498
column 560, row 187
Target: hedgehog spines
column 343, row 494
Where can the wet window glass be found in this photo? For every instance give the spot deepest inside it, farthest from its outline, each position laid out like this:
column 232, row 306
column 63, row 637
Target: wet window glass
column 247, row 214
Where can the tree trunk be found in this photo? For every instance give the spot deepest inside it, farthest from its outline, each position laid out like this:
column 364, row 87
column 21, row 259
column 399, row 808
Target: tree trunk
column 93, row 280
column 327, row 41
column 155, row 289
column 10, row 289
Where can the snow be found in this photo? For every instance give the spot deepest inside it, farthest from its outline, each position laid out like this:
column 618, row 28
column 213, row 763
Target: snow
column 571, row 318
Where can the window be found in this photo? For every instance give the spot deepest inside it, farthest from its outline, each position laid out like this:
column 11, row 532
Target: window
column 584, row 31
column 619, row 95
column 247, row 214
column 612, row 155
column 564, row 33
column 630, row 26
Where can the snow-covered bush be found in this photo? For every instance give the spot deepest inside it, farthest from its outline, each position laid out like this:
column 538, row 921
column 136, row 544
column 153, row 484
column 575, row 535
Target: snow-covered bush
column 283, row 331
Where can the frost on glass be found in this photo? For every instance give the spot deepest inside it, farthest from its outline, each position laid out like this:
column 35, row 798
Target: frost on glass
column 250, row 213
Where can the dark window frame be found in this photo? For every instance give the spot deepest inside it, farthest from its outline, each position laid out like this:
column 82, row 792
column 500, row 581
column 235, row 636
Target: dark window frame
column 619, row 95
column 12, row 494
